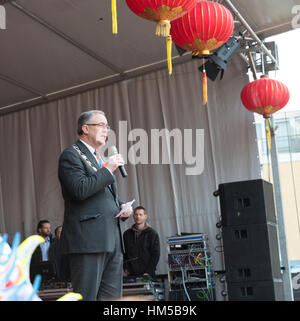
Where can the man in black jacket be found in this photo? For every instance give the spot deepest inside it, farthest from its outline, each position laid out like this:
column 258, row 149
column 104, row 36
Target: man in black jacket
column 142, row 249
column 91, row 233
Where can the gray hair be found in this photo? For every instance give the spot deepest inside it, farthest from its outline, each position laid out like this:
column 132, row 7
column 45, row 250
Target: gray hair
column 85, row 118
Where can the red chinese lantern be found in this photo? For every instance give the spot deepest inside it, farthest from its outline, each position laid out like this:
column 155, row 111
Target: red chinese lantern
column 204, row 28
column 265, row 96
column 162, row 12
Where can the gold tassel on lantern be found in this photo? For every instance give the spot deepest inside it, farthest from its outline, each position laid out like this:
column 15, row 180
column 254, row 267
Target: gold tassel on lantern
column 204, row 85
column 163, row 28
column 114, row 16
column 169, row 54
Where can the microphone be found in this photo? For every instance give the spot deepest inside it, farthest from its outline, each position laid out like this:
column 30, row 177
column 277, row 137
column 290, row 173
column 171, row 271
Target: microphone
column 113, row 151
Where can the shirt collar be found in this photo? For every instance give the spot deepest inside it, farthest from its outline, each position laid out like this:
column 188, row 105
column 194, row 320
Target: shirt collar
column 145, row 226
column 90, row 148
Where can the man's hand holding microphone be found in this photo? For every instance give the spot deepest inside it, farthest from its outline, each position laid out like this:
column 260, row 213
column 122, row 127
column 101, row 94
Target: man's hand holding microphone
column 112, row 163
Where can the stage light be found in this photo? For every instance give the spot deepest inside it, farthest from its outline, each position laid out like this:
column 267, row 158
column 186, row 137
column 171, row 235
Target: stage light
column 212, row 70
column 180, row 50
column 218, row 61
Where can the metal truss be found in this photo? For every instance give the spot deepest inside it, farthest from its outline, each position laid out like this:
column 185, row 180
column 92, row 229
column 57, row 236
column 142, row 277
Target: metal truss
column 259, row 55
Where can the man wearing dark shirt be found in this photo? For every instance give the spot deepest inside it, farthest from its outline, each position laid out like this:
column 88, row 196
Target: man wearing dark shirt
column 142, row 248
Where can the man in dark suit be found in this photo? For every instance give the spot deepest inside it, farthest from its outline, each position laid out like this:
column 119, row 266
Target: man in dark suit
column 91, row 233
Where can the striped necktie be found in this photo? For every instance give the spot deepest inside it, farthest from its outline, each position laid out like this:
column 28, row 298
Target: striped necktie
column 99, row 158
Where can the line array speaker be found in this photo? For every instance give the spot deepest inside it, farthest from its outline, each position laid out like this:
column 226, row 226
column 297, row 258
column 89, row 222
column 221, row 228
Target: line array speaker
column 250, row 241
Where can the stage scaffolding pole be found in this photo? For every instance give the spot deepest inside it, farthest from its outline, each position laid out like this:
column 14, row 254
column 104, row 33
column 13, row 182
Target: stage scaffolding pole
column 286, row 276
column 284, row 258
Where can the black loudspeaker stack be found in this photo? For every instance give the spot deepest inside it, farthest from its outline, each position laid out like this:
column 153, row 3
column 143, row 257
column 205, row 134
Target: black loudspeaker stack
column 250, row 241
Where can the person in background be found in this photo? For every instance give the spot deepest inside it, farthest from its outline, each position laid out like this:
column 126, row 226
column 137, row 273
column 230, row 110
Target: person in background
column 142, row 248
column 41, row 252
column 61, row 260
column 57, row 232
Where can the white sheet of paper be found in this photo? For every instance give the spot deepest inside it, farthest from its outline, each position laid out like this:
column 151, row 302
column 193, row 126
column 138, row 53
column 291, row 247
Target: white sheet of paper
column 125, row 207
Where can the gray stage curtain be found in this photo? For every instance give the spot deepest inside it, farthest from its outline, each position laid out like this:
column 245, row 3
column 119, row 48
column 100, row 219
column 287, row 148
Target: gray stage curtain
column 32, row 140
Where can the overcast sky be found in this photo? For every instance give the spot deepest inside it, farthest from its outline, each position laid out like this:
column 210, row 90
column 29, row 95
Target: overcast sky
column 289, row 61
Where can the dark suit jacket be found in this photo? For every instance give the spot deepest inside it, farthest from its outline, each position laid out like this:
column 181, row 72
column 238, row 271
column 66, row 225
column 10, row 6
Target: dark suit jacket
column 61, row 261
column 89, row 223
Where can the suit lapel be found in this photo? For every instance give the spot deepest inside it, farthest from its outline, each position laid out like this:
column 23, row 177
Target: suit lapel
column 87, row 153
column 114, row 187
column 93, row 160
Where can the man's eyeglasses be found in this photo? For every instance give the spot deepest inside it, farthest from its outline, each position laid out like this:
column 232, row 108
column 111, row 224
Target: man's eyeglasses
column 102, row 125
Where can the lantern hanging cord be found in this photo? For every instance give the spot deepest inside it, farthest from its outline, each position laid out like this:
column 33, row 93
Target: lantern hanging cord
column 169, row 54
column 268, row 130
column 268, row 154
column 114, row 16
column 204, row 84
